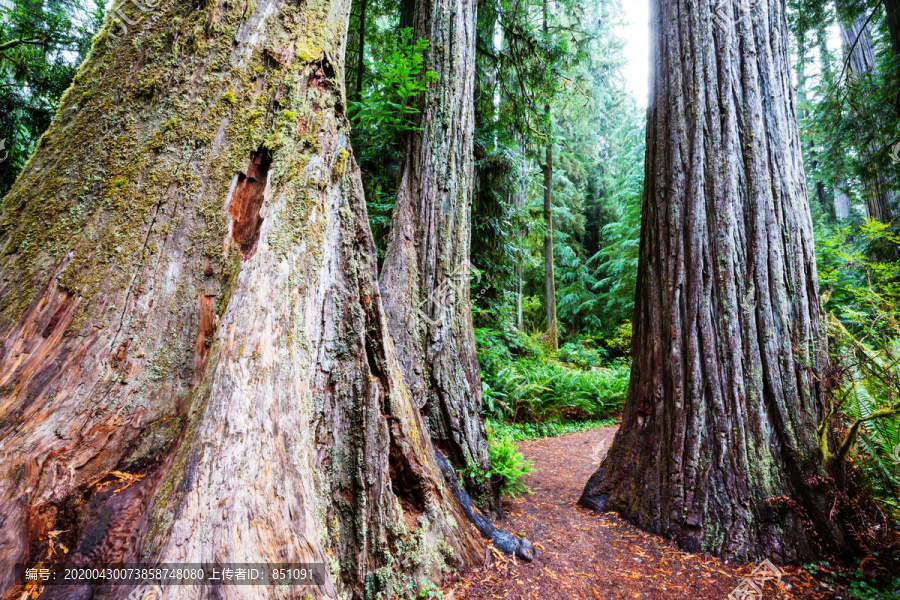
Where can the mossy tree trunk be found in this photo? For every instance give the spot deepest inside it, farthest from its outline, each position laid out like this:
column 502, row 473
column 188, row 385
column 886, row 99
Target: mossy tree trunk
column 717, row 447
column 188, row 297
column 425, row 277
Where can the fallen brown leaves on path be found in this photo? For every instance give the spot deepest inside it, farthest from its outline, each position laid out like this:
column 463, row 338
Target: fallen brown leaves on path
column 586, row 556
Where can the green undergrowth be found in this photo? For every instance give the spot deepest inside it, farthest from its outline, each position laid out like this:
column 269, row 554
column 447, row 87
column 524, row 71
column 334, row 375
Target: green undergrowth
column 508, row 464
column 861, row 583
column 521, row 384
column 532, row 431
column 530, row 394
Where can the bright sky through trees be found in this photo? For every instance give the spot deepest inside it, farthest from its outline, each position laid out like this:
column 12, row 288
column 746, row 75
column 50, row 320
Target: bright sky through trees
column 636, row 33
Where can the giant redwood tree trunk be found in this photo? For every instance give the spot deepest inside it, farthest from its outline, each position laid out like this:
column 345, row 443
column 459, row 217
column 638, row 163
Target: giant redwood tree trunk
column 717, row 447
column 188, row 299
column 425, row 277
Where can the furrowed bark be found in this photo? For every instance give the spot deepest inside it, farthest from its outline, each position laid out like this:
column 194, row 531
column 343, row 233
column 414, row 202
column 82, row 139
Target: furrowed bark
column 717, row 447
column 188, row 299
column 425, row 277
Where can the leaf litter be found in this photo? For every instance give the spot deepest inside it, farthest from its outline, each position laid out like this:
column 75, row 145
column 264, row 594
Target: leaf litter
column 590, row 556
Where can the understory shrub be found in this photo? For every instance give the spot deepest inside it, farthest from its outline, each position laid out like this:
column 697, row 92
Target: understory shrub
column 508, row 464
column 536, row 391
column 533, row 431
column 583, row 353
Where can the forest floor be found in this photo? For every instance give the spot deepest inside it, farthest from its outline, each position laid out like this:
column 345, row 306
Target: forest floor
column 589, row 556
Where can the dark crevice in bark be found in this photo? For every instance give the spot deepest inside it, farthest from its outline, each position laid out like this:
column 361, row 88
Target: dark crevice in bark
column 322, row 77
column 373, row 357
column 205, row 334
column 102, row 522
column 64, row 307
column 406, row 485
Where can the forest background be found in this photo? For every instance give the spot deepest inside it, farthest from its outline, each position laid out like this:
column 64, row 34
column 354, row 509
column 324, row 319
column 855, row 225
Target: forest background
column 552, row 100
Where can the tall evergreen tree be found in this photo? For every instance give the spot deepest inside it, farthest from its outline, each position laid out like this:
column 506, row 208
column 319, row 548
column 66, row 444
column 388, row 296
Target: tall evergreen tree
column 718, row 437
column 41, row 44
column 425, row 277
column 547, row 169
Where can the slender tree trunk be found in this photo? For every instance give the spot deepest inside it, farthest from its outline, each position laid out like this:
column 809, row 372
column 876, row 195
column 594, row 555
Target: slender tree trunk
column 820, row 196
column 520, row 314
column 549, row 277
column 360, row 52
column 892, row 18
column 547, row 167
column 841, row 204
column 718, row 437
column 188, row 297
column 425, row 277
column 518, row 200
column 880, row 196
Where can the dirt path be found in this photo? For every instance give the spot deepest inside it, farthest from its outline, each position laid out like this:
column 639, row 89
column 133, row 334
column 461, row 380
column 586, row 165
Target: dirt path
column 600, row 557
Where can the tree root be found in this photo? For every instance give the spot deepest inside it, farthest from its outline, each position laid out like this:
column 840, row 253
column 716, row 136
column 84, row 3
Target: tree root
column 504, row 541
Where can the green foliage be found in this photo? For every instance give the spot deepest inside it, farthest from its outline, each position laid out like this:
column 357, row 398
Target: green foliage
column 566, row 87
column 865, row 587
column 621, row 340
column 41, row 45
column 861, row 585
column 429, row 590
column 508, row 464
column 617, row 259
column 533, row 309
column 389, row 102
column 582, row 352
column 531, row 431
column 538, row 390
column 849, row 121
column 529, row 68
column 878, row 446
column 496, row 346
column 859, row 275
column 500, row 229
column 386, row 112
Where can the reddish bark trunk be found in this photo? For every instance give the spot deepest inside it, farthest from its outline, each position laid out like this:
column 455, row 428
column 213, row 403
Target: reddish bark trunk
column 425, row 278
column 717, row 447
